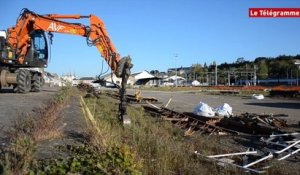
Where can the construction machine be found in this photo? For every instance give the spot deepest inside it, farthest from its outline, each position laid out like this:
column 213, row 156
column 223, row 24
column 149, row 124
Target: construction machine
column 24, row 50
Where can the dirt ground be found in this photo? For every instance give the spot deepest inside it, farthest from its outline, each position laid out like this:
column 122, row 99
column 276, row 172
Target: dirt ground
column 186, row 101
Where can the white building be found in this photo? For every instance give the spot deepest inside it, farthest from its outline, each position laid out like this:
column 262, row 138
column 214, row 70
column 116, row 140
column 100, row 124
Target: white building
column 110, row 80
column 144, row 78
column 69, row 79
column 171, row 81
column 52, row 79
column 139, row 78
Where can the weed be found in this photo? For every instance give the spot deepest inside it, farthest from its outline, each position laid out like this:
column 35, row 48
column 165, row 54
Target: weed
column 29, row 129
column 90, row 160
column 159, row 147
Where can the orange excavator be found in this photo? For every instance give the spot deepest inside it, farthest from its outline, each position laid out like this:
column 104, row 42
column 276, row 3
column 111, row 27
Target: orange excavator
column 24, row 50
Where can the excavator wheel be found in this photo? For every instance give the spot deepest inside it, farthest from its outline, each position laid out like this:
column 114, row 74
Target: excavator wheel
column 23, row 81
column 36, row 83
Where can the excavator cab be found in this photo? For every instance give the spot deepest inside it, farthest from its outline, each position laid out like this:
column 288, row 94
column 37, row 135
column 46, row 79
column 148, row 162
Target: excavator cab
column 37, row 55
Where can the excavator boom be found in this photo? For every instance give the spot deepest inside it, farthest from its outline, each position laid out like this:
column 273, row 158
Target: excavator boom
column 96, row 34
column 19, row 46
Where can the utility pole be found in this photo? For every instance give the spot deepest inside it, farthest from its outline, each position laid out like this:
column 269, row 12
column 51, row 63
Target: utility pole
column 235, row 76
column 216, row 74
column 246, row 75
column 297, row 63
column 176, row 55
column 254, row 76
column 228, row 78
column 207, row 78
column 291, row 77
column 297, row 77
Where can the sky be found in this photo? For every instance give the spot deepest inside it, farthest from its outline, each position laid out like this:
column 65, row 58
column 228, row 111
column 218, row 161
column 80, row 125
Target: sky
column 153, row 32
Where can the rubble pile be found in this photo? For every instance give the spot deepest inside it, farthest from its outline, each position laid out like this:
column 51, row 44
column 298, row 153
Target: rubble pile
column 252, row 123
column 89, row 89
column 136, row 98
column 85, row 87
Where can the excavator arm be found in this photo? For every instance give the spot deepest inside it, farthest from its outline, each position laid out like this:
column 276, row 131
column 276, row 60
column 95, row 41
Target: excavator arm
column 19, row 41
column 96, row 35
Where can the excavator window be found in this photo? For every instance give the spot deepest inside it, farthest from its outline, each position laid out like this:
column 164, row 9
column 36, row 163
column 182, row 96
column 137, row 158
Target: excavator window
column 40, row 46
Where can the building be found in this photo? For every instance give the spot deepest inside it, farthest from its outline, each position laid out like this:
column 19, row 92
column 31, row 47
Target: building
column 87, row 80
column 68, row 79
column 180, row 71
column 111, row 80
column 139, row 78
column 52, row 79
column 173, row 80
column 144, row 78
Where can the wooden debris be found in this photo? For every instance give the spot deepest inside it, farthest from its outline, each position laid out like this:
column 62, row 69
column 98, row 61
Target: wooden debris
column 137, row 98
column 189, row 124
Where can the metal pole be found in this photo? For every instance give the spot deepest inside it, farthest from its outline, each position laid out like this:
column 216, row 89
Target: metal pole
column 291, row 77
column 233, row 154
column 297, row 77
column 232, row 164
column 228, row 78
column 176, row 55
column 246, row 75
column 288, row 134
column 216, row 74
column 292, row 145
column 254, row 76
column 259, row 160
column 294, row 152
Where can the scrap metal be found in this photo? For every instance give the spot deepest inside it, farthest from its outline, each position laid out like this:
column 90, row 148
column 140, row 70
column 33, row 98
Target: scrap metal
column 287, row 151
column 223, row 160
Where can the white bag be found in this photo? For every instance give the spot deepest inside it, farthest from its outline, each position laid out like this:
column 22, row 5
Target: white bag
column 258, row 96
column 202, row 109
column 225, row 110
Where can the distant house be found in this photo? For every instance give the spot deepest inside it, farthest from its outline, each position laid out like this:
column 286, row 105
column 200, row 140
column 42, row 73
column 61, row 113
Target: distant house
column 52, row 79
column 87, row 80
column 68, row 79
column 110, row 80
column 170, row 81
column 139, row 78
column 180, row 70
column 143, row 78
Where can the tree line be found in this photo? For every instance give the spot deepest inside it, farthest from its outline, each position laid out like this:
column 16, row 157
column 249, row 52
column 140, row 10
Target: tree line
column 282, row 66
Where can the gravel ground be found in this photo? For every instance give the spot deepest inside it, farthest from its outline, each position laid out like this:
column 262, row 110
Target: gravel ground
column 12, row 104
column 186, row 101
column 72, row 124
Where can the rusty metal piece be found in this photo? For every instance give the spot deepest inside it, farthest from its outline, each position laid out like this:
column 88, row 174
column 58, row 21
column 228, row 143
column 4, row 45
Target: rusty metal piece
column 174, row 119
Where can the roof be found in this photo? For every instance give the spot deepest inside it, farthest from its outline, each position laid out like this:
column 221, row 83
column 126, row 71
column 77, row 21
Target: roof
column 87, row 78
column 142, row 75
column 176, row 77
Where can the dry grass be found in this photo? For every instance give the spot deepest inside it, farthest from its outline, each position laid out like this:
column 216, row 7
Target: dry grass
column 29, row 129
column 159, row 147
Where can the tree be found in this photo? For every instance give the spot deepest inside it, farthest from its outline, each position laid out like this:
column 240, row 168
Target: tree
column 197, row 70
column 240, row 60
column 263, row 70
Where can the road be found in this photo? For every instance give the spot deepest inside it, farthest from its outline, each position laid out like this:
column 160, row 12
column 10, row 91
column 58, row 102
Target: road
column 186, row 101
column 13, row 105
